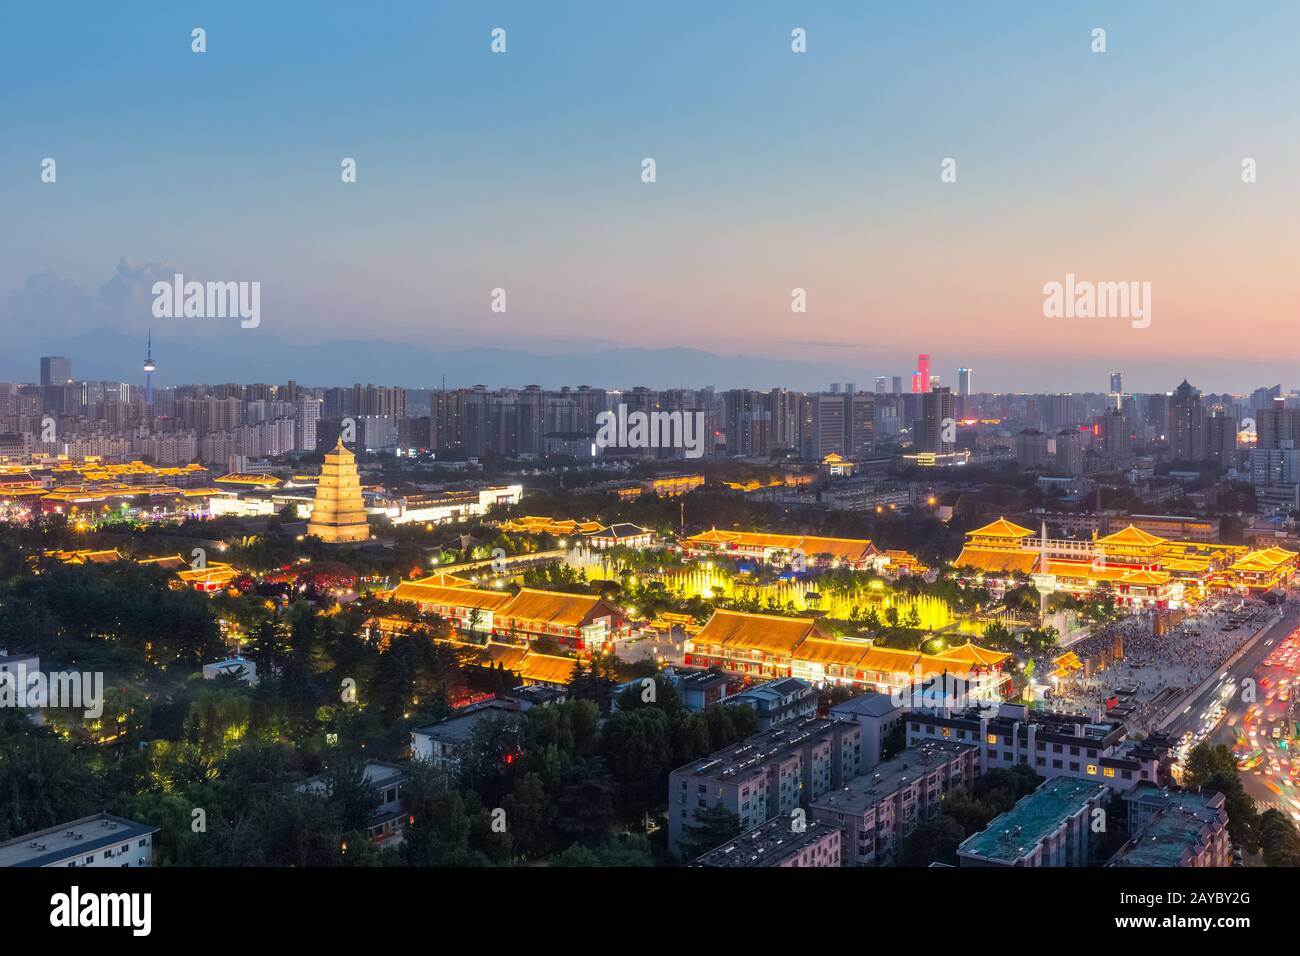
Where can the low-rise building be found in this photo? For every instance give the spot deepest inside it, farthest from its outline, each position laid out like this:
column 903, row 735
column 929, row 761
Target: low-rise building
column 100, row 840
column 1172, row 827
column 387, row 822
column 765, row 776
column 778, row 702
column 237, row 667
column 622, row 535
column 779, row 842
column 443, row 744
column 1050, row 827
column 1052, row 744
column 878, row 714
column 879, row 809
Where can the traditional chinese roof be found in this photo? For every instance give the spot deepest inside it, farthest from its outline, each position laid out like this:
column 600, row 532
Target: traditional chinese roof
column 467, row 597
column 1148, row 578
column 532, row 524
column 1068, row 661
column 973, row 655
column 444, row 579
column 1002, row 528
column 556, row 607
column 767, row 633
column 994, row 560
column 1268, row 559
column 86, row 557
column 529, row 665
column 173, row 562
column 214, row 573
column 848, row 549
column 1132, row 536
column 547, row 668
column 248, row 479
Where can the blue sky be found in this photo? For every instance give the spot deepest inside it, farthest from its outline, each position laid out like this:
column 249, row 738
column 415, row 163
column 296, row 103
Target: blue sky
column 775, row 170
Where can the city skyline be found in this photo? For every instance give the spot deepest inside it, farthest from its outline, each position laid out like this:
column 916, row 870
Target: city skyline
column 958, row 379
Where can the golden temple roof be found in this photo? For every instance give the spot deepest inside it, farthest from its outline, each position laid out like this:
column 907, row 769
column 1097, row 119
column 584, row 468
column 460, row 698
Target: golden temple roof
column 993, row 560
column 973, row 655
column 1002, row 528
column 1132, row 536
column 848, row 549
column 767, row 633
column 556, row 607
column 425, row 592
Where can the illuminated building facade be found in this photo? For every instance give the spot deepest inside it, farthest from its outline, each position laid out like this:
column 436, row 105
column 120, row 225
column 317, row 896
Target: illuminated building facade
column 1137, row 568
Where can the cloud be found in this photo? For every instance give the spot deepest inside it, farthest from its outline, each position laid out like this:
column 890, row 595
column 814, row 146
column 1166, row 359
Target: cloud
column 48, row 305
column 127, row 298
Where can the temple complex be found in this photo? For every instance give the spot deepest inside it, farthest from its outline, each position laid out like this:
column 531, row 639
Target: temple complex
column 1139, row 569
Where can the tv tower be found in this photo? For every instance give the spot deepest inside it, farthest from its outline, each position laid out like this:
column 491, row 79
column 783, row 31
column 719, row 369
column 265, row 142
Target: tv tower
column 149, row 367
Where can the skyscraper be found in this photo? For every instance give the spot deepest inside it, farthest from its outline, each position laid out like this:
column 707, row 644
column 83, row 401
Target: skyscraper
column 828, row 428
column 339, row 512
column 1186, row 424
column 859, row 424
column 921, row 380
column 1117, row 383
column 936, row 406
column 963, row 382
column 56, row 370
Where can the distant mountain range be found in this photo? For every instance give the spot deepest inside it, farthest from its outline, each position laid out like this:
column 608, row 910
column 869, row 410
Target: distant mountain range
column 252, row 356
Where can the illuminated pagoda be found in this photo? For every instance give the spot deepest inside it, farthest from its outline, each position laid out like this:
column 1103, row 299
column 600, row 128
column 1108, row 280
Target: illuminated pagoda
column 339, row 513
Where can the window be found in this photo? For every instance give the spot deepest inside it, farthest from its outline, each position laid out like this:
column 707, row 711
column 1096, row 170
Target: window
column 1109, row 771
column 1092, row 769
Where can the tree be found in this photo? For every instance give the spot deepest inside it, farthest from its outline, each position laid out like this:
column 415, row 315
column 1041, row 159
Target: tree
column 934, row 840
column 530, row 813
column 1213, row 767
column 594, row 680
column 712, row 827
column 1278, row 839
column 585, row 811
column 638, row 752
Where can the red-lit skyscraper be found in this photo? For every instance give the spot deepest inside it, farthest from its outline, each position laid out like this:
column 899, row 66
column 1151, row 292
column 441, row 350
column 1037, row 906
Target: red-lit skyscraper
column 921, row 378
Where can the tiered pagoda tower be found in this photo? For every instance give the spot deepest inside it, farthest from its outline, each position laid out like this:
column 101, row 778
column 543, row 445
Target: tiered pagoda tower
column 339, row 513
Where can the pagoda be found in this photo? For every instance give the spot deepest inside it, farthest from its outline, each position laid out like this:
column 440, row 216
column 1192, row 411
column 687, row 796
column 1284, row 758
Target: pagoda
column 339, row 513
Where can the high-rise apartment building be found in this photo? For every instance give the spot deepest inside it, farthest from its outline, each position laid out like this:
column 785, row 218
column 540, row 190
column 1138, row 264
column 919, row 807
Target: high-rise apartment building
column 1186, row 424
column 55, row 370
column 937, row 422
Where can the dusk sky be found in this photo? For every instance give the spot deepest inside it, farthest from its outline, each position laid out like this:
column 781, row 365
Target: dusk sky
column 775, row 171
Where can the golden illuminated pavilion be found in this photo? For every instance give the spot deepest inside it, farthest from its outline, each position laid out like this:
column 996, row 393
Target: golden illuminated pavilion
column 339, row 513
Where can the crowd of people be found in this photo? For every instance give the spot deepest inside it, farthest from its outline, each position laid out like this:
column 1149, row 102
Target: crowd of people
column 1156, row 669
